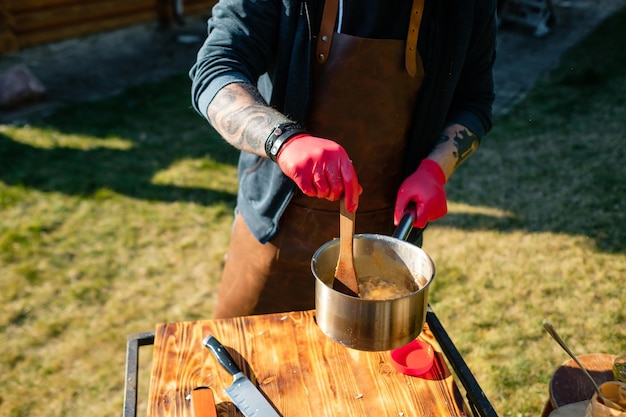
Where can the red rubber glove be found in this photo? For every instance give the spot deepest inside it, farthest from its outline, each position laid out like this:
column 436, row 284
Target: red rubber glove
column 320, row 168
column 424, row 188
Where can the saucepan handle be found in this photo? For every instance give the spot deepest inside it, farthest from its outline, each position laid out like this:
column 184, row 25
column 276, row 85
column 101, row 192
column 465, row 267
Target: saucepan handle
column 405, row 226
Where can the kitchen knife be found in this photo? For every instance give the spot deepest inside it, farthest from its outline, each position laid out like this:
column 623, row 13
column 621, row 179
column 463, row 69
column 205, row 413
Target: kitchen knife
column 246, row 396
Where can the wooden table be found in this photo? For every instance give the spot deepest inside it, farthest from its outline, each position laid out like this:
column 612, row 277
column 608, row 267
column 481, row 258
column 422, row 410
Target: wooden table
column 302, row 372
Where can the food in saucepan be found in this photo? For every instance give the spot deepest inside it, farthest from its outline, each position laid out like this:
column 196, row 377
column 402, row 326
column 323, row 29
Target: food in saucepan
column 380, row 288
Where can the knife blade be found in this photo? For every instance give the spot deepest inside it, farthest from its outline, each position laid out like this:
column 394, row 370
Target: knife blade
column 246, row 396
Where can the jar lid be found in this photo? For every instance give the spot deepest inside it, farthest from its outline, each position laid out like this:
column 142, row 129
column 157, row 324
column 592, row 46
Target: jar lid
column 414, row 358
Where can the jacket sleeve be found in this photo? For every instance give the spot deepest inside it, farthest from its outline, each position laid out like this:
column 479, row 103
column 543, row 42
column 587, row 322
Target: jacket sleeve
column 472, row 103
column 241, row 41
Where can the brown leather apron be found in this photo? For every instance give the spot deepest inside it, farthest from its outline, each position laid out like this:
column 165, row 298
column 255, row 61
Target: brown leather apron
column 363, row 98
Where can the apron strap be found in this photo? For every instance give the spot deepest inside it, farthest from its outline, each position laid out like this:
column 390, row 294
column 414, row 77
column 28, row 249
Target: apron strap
column 327, row 28
column 411, row 56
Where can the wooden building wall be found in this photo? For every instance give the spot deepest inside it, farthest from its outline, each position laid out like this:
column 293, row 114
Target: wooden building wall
column 27, row 23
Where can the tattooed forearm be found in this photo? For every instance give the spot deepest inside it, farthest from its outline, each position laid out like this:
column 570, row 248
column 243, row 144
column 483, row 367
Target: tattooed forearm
column 241, row 116
column 455, row 144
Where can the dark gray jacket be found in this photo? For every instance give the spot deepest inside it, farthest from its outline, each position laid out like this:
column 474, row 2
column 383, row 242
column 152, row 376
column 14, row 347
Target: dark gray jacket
column 268, row 43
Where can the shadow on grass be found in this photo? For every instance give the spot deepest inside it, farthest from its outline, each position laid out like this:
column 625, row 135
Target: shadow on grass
column 158, row 123
column 564, row 179
column 84, row 172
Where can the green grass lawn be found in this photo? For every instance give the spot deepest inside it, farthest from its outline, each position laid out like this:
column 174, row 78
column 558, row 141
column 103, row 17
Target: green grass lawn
column 115, row 216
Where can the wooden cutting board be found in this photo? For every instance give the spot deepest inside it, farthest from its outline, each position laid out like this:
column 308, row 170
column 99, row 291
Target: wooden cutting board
column 302, row 372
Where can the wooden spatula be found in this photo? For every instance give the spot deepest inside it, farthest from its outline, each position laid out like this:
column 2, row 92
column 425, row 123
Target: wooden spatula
column 345, row 276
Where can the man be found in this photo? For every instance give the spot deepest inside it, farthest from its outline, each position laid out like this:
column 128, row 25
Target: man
column 343, row 99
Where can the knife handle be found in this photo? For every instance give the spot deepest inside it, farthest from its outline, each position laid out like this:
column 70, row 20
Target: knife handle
column 221, row 354
column 203, row 403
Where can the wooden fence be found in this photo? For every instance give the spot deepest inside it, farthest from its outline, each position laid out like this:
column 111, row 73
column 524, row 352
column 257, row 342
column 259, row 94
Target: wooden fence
column 27, row 23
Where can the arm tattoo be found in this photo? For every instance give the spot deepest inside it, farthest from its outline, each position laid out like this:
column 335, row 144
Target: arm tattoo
column 465, row 143
column 241, row 116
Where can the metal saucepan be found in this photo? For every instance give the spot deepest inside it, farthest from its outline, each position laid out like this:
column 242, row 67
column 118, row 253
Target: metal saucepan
column 374, row 325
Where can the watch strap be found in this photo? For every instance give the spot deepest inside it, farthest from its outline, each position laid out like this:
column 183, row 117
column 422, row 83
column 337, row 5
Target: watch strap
column 279, row 136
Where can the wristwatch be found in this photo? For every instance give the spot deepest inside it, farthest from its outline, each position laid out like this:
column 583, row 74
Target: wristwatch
column 279, row 136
